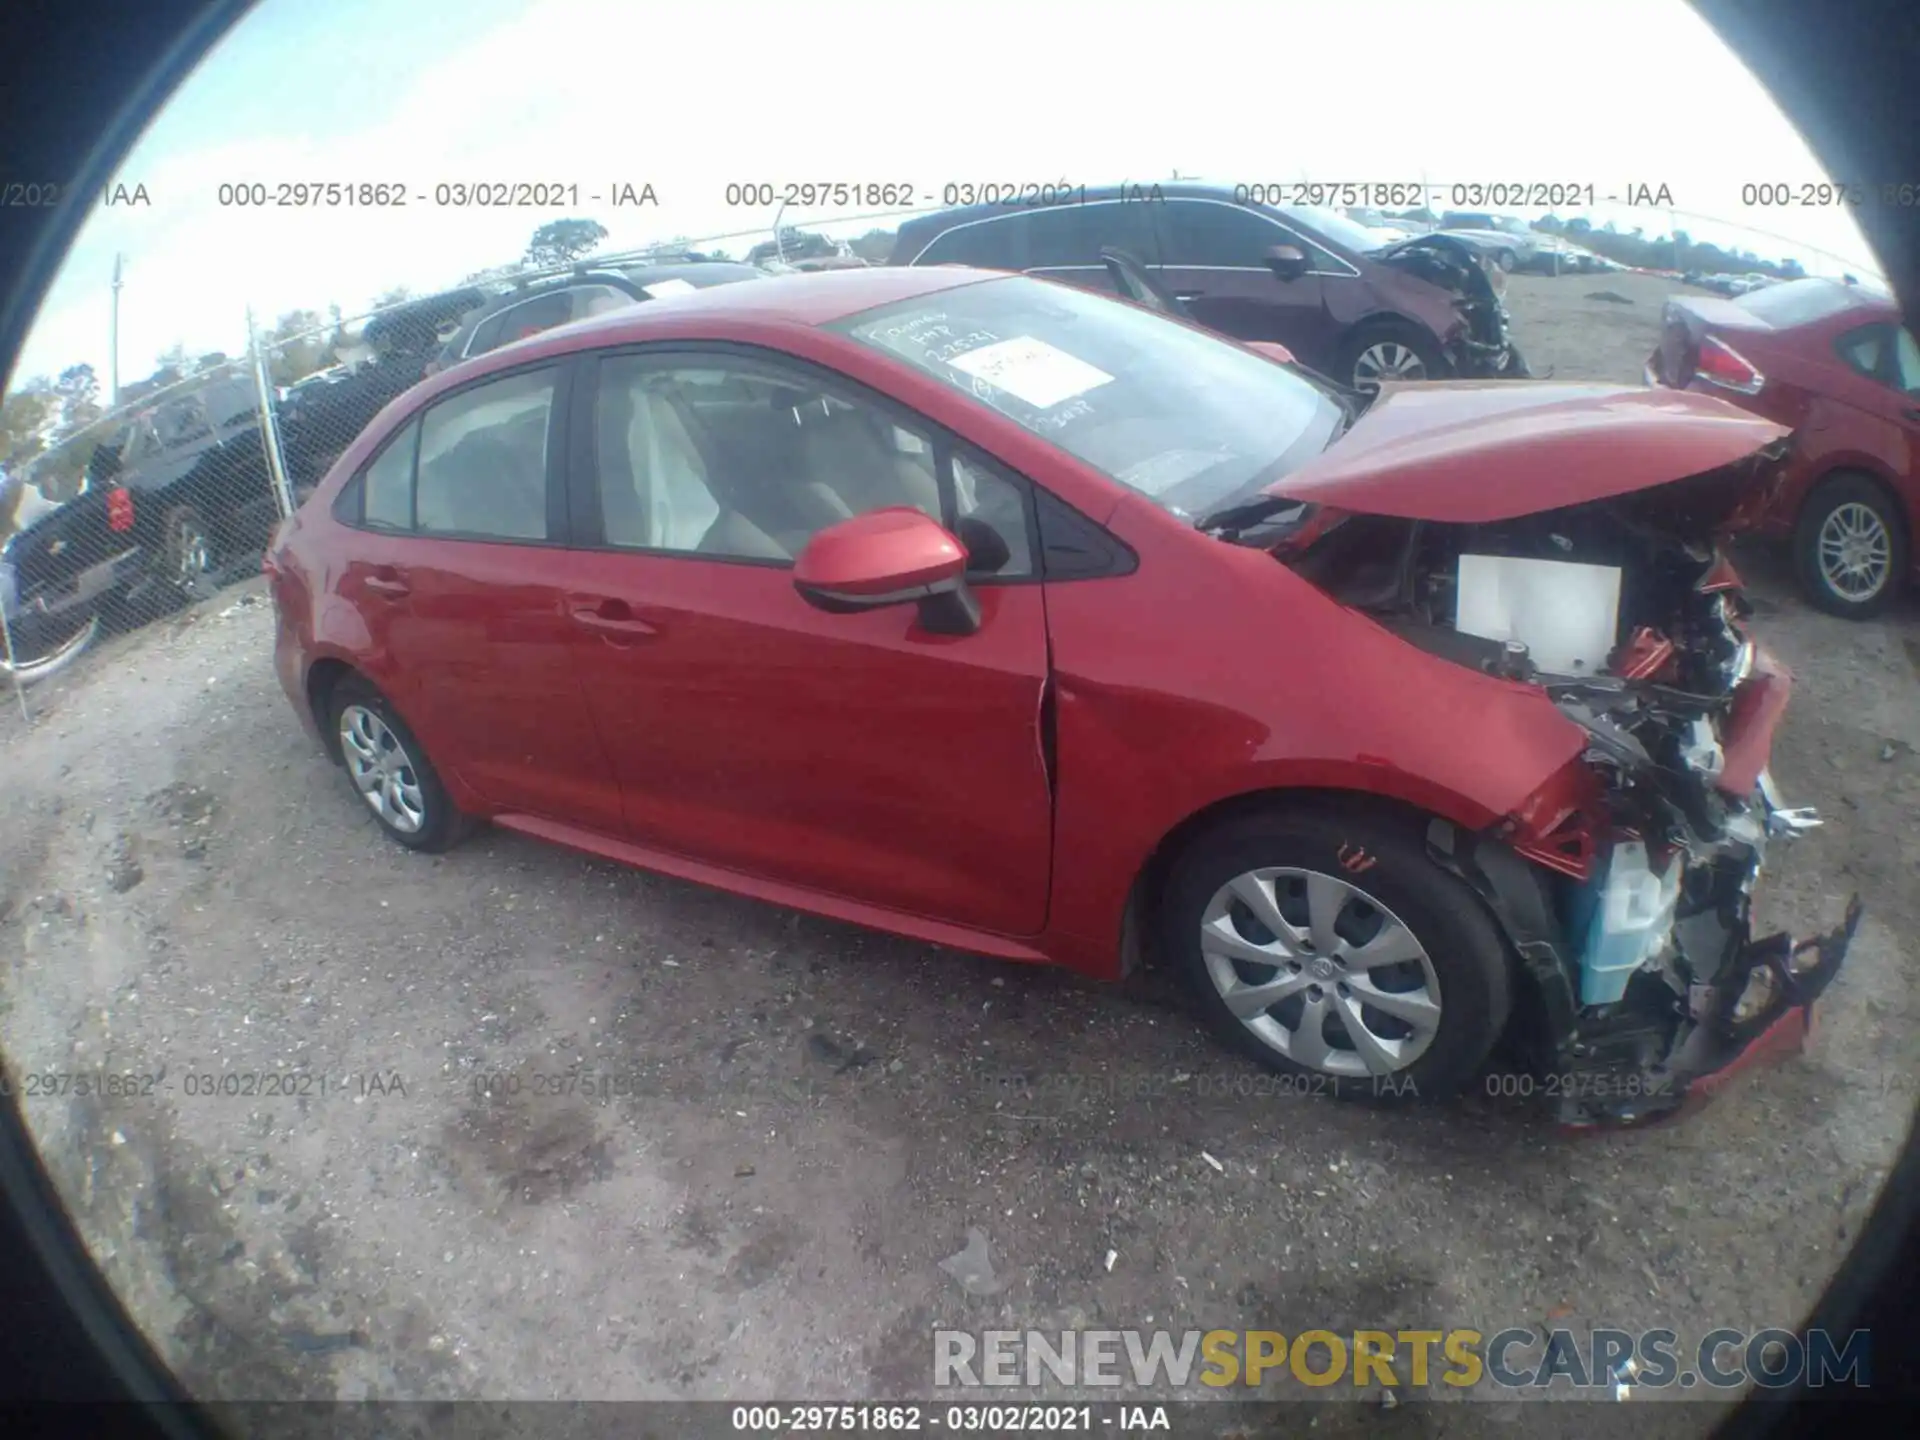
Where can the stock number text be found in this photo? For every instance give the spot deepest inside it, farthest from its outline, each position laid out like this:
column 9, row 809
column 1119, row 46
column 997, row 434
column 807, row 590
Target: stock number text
column 312, row 194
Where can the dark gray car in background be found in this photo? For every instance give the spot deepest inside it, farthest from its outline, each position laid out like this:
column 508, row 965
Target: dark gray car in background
column 1300, row 276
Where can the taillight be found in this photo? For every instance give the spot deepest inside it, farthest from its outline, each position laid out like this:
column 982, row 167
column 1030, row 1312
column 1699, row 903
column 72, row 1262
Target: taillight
column 119, row 509
column 1720, row 364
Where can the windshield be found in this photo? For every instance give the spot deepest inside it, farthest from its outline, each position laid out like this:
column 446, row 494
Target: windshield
column 1332, row 225
column 1188, row 420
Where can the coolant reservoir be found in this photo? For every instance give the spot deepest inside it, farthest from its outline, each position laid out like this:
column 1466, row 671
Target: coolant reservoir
column 1631, row 919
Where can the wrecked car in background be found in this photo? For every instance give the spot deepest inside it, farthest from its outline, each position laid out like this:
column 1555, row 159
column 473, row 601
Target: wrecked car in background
column 1304, row 277
column 1078, row 624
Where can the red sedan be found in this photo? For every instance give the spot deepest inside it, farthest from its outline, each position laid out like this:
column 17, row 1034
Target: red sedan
column 1010, row 617
column 1831, row 361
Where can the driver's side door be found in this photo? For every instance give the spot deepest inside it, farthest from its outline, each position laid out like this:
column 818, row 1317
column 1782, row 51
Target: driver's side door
column 855, row 754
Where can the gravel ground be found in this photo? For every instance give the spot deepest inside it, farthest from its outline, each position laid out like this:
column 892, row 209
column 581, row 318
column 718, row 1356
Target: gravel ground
column 805, row 1118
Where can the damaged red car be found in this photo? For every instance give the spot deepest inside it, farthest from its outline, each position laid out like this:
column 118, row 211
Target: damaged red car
column 1011, row 617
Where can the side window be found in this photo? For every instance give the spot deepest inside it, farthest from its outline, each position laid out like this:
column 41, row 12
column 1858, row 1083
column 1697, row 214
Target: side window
column 991, row 521
column 1865, row 348
column 990, row 244
column 1062, row 235
column 529, row 317
column 483, row 460
column 590, row 300
column 733, row 461
column 486, row 336
column 387, row 484
column 1201, row 233
column 1906, row 362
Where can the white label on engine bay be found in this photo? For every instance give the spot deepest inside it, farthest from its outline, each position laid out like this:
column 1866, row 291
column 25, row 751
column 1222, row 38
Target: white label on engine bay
column 660, row 289
column 1031, row 371
column 1567, row 615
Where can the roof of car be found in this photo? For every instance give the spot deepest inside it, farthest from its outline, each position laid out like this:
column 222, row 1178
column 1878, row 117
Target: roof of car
column 813, row 298
column 1144, row 190
column 806, row 299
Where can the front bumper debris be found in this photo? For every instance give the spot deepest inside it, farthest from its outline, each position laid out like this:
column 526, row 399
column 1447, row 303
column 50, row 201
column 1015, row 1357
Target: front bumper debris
column 1761, row 1006
column 1758, row 1002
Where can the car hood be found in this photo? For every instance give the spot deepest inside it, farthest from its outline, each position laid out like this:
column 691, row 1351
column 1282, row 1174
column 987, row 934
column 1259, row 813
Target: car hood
column 1471, row 452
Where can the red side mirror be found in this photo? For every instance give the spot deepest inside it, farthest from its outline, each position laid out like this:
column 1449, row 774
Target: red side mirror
column 889, row 557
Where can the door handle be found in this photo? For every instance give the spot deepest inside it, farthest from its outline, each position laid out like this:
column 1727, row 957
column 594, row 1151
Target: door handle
column 1185, row 295
column 608, row 616
column 387, row 583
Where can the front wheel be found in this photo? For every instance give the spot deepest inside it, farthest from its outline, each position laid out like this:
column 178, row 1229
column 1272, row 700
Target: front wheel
column 1388, row 353
column 1333, row 951
column 1506, row 260
column 1850, row 548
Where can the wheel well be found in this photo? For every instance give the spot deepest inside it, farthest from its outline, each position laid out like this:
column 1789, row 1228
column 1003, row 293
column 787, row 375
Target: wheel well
column 321, row 679
column 1878, row 481
column 1140, row 925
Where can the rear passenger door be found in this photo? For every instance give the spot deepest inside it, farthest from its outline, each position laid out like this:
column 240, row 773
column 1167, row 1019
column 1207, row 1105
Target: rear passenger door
column 461, row 581
column 1063, row 242
column 852, row 754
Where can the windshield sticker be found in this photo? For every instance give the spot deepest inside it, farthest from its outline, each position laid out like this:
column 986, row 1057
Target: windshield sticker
column 660, row 289
column 1031, row 371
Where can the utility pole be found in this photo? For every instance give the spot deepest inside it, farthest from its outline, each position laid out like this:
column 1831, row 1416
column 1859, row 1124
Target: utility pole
column 113, row 340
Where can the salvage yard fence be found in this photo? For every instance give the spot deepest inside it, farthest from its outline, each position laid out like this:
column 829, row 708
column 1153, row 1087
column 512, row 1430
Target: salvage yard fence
column 176, row 492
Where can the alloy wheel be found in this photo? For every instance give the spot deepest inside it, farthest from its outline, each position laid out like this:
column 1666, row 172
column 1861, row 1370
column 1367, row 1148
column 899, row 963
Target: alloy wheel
column 1321, row 972
column 1855, row 552
column 382, row 770
column 192, row 553
column 1387, row 360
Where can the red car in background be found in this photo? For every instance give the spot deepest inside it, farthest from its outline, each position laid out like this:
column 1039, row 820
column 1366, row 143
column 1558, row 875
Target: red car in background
column 1004, row 615
column 1830, row 360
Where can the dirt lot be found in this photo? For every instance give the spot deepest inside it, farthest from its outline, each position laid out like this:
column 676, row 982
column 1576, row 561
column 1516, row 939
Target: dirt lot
column 806, row 1119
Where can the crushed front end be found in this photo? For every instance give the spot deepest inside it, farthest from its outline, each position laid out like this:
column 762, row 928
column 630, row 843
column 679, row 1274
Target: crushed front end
column 1648, row 855
column 1625, row 882
column 1482, row 347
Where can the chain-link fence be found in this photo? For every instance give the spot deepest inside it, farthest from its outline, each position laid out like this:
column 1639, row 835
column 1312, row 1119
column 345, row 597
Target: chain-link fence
column 176, row 493
column 180, row 487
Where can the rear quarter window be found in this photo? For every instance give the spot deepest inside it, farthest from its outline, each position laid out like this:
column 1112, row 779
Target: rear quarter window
column 992, row 244
column 1798, row 302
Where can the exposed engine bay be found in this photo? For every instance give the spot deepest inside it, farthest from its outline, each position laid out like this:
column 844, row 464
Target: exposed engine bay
column 1451, row 263
column 1626, row 883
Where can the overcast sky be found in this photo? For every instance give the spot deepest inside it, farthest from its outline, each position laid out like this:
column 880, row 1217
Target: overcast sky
column 596, row 93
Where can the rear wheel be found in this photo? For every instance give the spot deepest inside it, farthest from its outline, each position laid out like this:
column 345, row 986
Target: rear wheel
column 1850, row 547
column 1381, row 353
column 1332, row 950
column 1506, row 260
column 186, row 553
column 390, row 770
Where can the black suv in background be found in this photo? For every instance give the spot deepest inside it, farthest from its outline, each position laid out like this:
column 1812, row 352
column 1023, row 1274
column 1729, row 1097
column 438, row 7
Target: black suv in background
column 1300, row 276
column 541, row 305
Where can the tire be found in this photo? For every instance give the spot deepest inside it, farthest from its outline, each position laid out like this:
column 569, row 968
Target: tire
column 1506, row 260
column 187, row 553
column 1374, row 875
column 1371, row 354
column 403, row 791
column 1849, row 521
